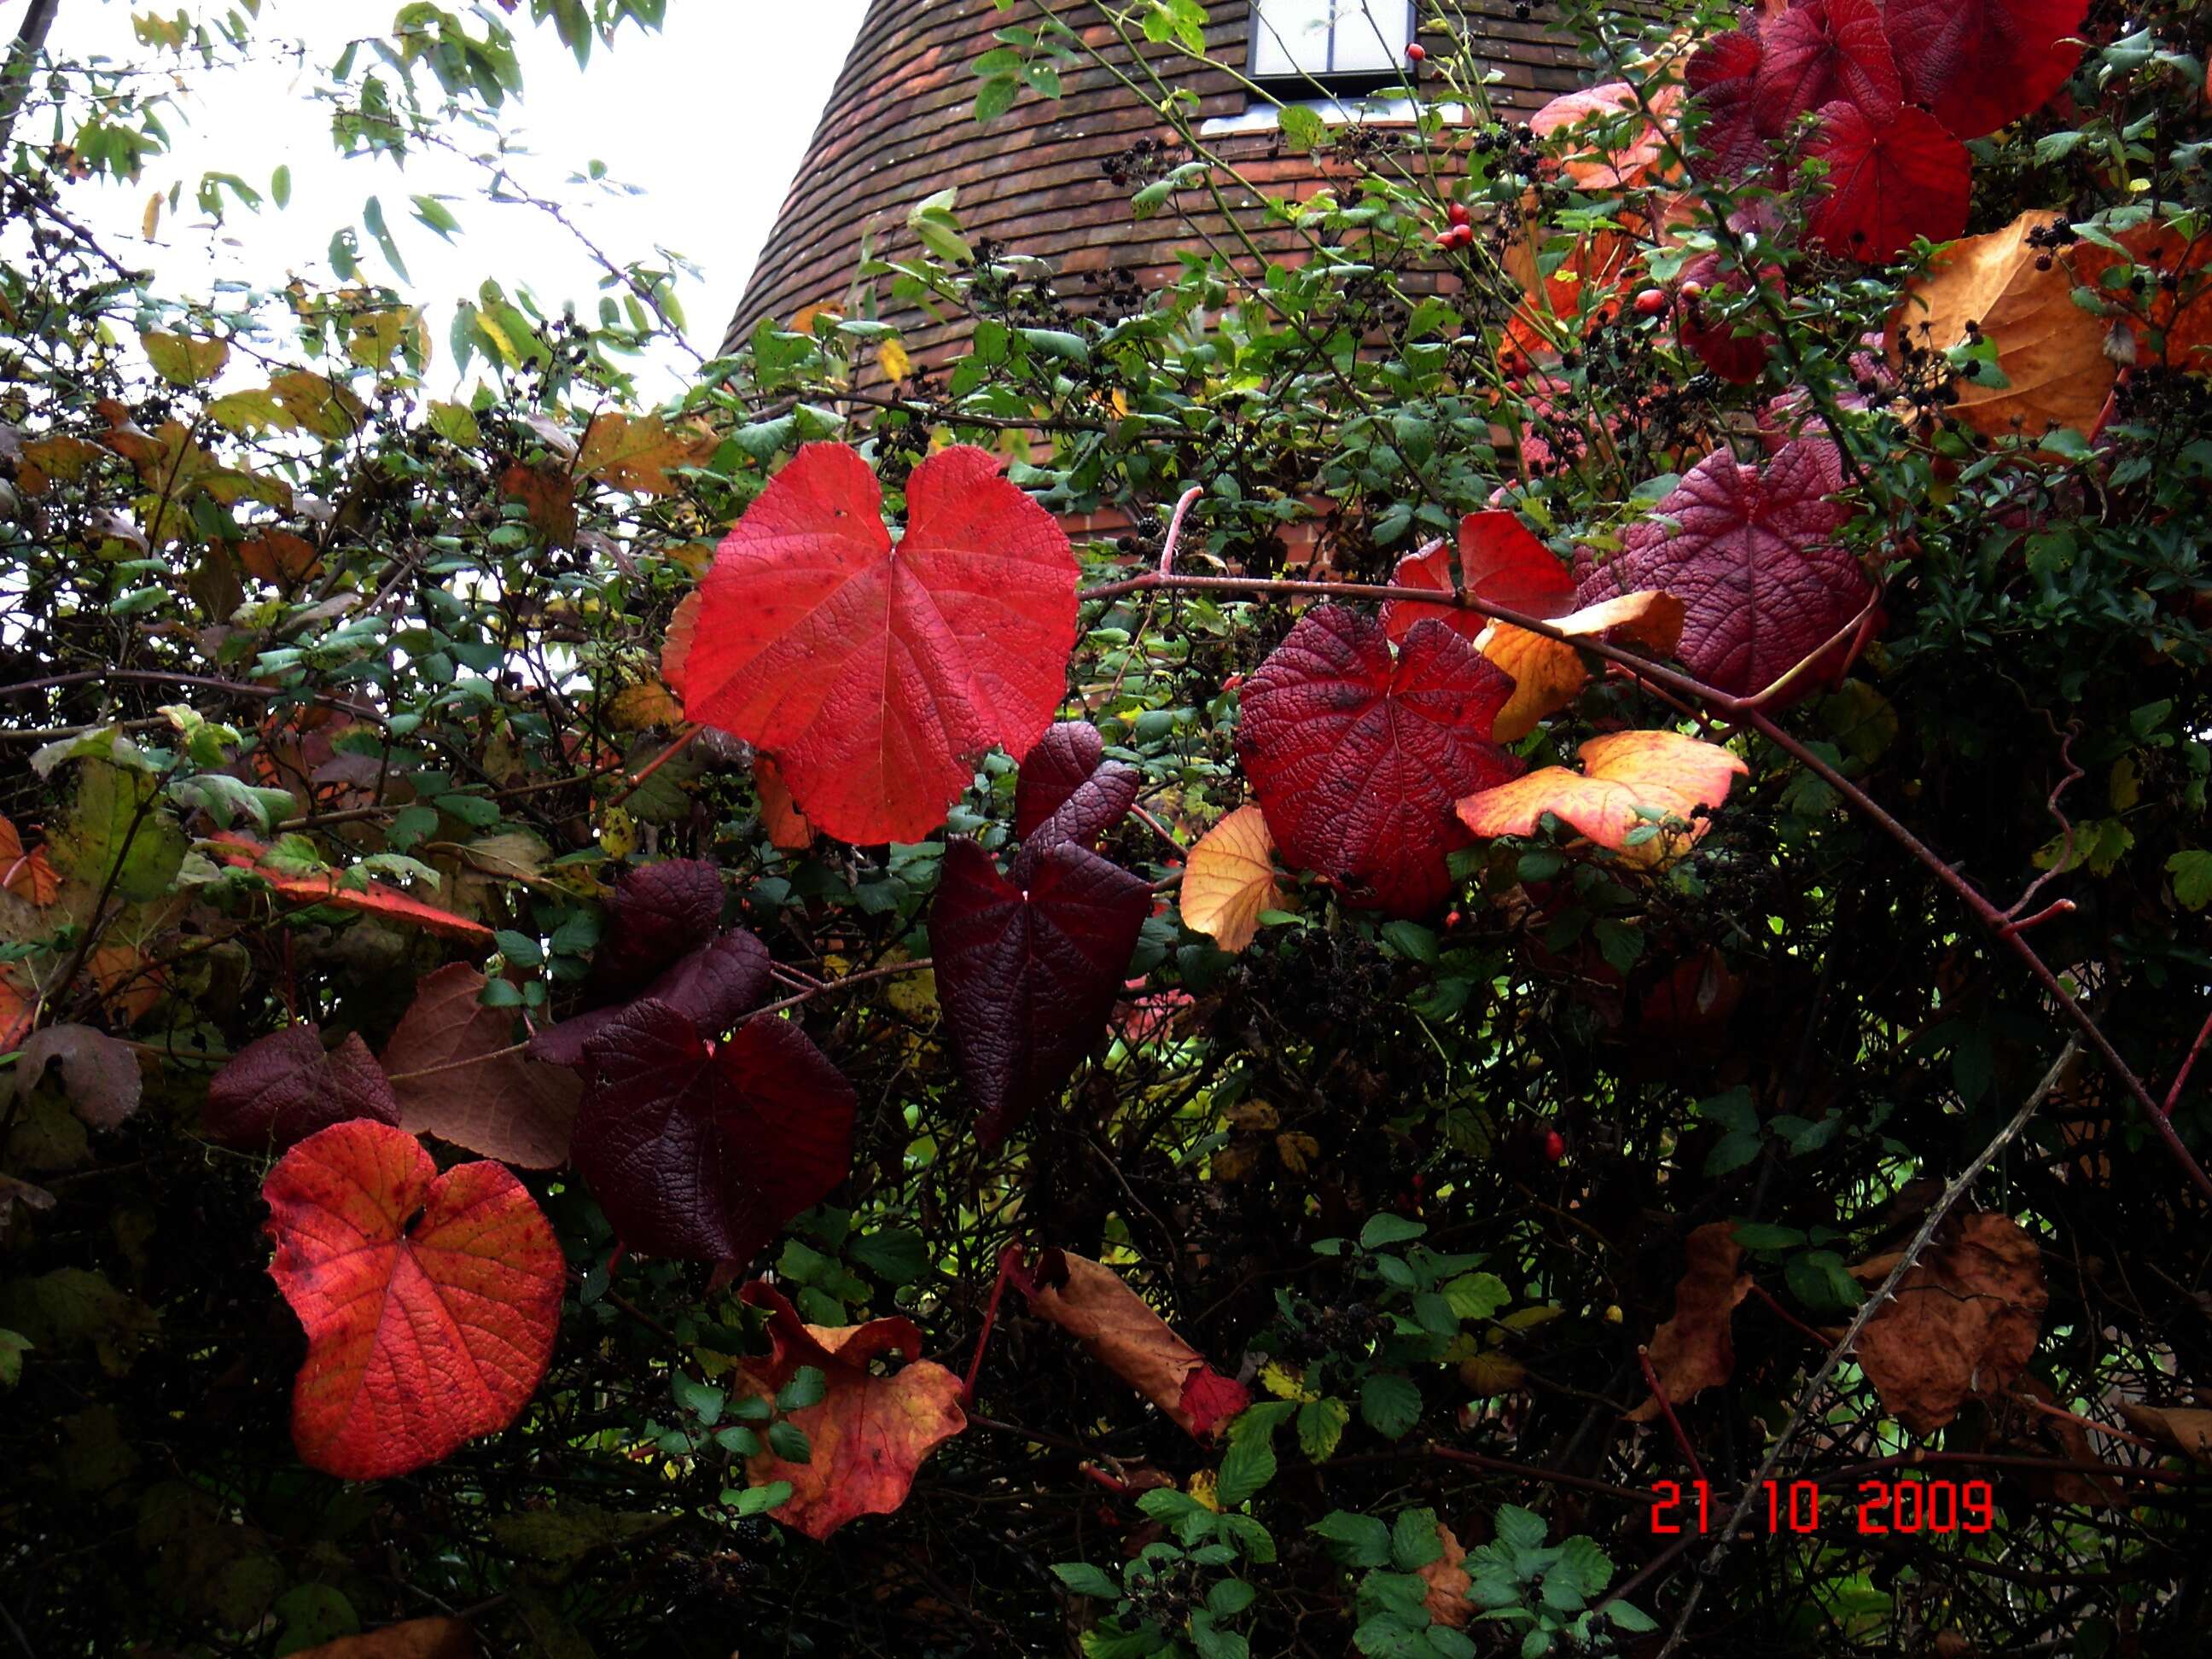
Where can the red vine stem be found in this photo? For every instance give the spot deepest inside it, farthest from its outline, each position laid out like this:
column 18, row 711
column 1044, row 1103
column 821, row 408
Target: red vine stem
column 2189, row 1062
column 1666, row 1410
column 636, row 779
column 1747, row 711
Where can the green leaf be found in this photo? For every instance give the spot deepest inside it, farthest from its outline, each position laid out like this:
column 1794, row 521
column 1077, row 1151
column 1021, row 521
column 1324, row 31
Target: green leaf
column 1383, row 1229
column 372, row 215
column 894, row 1253
column 1389, row 1404
column 1357, row 1540
column 280, row 186
column 1229, row 1597
column 1519, row 1529
column 1477, row 1296
column 789, row 1441
column 1414, row 1540
column 1246, row 1467
column 996, row 97
column 808, row 1386
column 1086, row 1580
column 2193, row 878
column 116, row 830
column 1321, row 1425
column 1590, row 1566
column 1057, row 342
column 701, row 1399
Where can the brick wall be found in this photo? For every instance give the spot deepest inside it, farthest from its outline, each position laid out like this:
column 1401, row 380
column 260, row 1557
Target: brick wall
column 899, row 127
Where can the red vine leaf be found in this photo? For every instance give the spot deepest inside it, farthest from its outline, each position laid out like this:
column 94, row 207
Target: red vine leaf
column 1118, row 1328
column 1889, row 180
column 788, row 831
column 1027, row 976
column 1980, row 64
column 874, row 674
column 658, row 914
column 1737, row 358
column 1356, row 758
column 1502, row 563
column 1723, row 79
column 1059, row 763
column 1822, row 50
column 1080, row 815
column 1628, row 153
column 282, row 1088
column 705, row 1150
column 712, row 988
column 377, row 898
column 1752, row 556
column 27, row 875
column 420, row 1336
column 455, row 1069
column 1695, row 1349
column 868, row 1435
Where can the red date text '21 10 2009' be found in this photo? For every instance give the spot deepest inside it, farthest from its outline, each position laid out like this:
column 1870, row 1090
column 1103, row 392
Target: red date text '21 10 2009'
column 1883, row 1506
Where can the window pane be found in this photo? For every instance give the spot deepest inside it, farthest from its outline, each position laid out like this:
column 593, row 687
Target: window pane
column 1290, row 37
column 1371, row 34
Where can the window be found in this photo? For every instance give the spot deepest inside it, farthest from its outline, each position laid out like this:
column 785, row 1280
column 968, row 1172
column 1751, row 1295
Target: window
column 1347, row 46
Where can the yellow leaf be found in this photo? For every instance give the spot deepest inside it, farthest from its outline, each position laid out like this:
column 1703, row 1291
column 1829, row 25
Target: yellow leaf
column 635, row 455
column 1286, row 1381
column 647, row 703
column 1548, row 674
column 913, row 995
column 1296, row 1150
column 2051, row 351
column 1491, row 1372
column 182, row 361
column 619, row 833
column 1203, row 1487
column 153, row 218
column 891, row 358
column 1626, row 776
column 1231, row 880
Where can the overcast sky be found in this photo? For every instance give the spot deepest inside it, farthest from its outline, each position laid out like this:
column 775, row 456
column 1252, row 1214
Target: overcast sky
column 709, row 117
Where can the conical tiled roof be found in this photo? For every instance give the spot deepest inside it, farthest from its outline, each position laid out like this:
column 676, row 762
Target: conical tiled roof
column 900, row 127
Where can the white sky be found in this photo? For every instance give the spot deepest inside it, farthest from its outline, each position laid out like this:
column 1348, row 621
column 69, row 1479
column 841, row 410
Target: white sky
column 709, row 117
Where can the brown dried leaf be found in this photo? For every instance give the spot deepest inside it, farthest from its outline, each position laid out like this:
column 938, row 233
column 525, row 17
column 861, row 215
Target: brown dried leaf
column 418, row 1639
column 1093, row 1304
column 2188, row 1429
column 1446, row 1603
column 1964, row 1321
column 459, row 1076
column 1695, row 1350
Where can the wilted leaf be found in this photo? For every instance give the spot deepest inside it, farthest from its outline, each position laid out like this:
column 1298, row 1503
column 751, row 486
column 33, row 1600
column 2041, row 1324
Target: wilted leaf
column 1446, row 1603
column 2050, row 352
column 99, row 1074
column 282, row 1088
column 2187, row 1429
column 73, row 1307
column 1027, row 976
column 1356, row 758
column 27, row 875
column 868, row 1434
column 875, row 674
column 1626, row 777
column 1695, row 1349
column 707, row 1152
column 1890, row 179
column 279, row 557
column 1118, row 1328
column 1964, row 1321
column 1981, row 64
column 636, row 454
column 1229, row 879
column 547, row 498
column 1751, row 554
column 455, row 1069
column 420, row 1336
column 377, row 898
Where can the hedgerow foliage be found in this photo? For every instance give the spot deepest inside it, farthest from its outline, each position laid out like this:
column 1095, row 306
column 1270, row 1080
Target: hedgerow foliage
column 644, row 1030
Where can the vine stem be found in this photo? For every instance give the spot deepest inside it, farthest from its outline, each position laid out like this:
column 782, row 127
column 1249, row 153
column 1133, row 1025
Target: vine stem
column 1666, row 1410
column 1815, row 1390
column 918, row 965
column 1747, row 711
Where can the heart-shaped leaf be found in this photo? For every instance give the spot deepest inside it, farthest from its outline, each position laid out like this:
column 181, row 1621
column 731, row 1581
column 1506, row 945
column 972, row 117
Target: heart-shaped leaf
column 1075, row 810
column 419, row 1336
column 706, row 1150
column 1231, row 880
column 1752, row 556
column 867, row 1434
column 655, row 916
column 1057, row 765
column 1819, row 52
column 1356, row 758
column 282, row 1088
column 1027, row 976
column 1981, row 64
column 712, row 988
column 875, row 673
column 1723, row 78
column 1889, row 180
